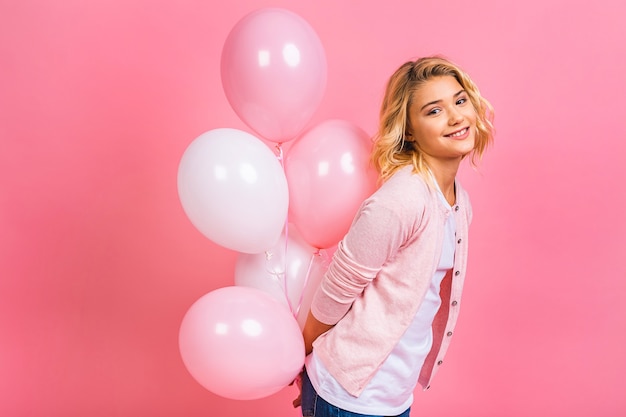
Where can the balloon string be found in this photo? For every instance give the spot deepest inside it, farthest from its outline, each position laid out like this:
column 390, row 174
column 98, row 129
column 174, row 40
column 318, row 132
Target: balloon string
column 281, row 159
column 285, row 281
column 306, row 281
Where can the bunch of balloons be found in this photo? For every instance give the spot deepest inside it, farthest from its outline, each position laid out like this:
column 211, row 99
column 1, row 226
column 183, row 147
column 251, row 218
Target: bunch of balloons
column 281, row 211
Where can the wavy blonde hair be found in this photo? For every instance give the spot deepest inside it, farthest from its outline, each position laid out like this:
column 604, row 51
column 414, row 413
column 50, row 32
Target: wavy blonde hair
column 391, row 150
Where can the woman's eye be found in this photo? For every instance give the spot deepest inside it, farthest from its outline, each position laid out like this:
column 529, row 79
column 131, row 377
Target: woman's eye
column 461, row 100
column 434, row 111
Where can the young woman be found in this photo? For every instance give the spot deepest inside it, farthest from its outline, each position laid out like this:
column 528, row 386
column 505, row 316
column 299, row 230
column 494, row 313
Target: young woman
column 385, row 312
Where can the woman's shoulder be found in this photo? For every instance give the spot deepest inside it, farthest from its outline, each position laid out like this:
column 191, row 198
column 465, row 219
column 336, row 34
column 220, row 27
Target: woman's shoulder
column 404, row 190
column 406, row 183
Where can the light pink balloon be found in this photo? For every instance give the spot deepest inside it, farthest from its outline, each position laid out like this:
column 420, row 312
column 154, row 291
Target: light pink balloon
column 274, row 72
column 234, row 190
column 329, row 176
column 290, row 272
column 240, row 343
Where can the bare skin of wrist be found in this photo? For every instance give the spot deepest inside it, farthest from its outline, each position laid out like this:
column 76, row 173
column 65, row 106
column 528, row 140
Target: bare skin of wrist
column 313, row 328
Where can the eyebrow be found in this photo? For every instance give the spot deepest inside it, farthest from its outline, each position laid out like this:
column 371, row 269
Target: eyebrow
column 437, row 101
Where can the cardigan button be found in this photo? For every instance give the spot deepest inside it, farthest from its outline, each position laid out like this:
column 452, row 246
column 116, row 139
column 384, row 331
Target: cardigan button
column 458, row 241
column 454, row 303
column 449, row 333
column 457, row 273
column 439, row 362
column 456, row 208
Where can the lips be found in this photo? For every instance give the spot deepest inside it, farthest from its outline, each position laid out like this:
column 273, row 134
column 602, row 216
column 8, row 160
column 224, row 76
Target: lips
column 459, row 133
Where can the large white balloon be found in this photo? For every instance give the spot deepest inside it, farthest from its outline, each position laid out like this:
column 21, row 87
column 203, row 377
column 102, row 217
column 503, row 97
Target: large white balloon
column 233, row 189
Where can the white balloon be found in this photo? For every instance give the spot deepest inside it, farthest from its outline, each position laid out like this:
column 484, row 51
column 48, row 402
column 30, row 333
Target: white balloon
column 233, row 189
column 318, row 269
column 290, row 272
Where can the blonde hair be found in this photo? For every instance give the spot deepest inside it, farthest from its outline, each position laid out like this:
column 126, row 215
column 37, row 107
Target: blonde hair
column 391, row 151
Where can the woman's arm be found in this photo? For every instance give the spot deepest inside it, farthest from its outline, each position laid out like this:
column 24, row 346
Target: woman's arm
column 313, row 328
column 374, row 237
column 379, row 229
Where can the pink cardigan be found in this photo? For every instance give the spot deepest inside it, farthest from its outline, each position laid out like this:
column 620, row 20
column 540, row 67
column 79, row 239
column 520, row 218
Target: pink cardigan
column 379, row 276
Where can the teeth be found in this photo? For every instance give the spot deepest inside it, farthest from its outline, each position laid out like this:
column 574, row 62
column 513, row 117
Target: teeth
column 459, row 133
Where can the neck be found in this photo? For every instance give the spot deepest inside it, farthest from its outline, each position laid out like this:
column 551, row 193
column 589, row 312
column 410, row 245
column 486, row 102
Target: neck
column 445, row 173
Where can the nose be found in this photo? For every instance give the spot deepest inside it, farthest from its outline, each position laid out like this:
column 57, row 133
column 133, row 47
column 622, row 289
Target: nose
column 454, row 116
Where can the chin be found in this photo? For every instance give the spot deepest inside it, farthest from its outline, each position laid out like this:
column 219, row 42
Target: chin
column 466, row 150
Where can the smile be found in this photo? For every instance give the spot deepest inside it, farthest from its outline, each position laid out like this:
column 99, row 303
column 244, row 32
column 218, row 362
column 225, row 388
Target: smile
column 458, row 133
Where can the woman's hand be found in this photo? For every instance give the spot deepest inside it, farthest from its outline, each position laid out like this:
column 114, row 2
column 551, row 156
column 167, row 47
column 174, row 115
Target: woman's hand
column 298, row 401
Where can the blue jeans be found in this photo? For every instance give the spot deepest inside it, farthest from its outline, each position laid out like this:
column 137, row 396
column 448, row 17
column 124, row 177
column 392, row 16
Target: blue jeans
column 315, row 406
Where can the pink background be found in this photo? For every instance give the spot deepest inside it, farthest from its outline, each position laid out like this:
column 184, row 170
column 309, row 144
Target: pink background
column 98, row 262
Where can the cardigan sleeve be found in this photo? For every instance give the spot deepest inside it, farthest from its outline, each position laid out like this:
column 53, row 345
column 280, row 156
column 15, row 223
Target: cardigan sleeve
column 376, row 234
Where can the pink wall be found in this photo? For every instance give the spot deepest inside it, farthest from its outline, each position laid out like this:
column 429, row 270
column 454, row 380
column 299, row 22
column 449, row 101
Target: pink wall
column 98, row 262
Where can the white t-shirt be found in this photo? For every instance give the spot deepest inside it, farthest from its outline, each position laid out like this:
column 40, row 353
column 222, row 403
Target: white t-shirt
column 390, row 392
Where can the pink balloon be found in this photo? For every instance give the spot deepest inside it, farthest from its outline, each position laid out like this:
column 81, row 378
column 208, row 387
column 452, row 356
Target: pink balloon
column 290, row 272
column 329, row 176
column 240, row 343
column 233, row 189
column 274, row 72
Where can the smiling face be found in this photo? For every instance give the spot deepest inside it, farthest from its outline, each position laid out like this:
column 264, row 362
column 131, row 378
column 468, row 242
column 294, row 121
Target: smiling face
column 442, row 121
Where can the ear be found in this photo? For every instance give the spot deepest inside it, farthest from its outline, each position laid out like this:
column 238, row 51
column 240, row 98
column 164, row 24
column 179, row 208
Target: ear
column 408, row 132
